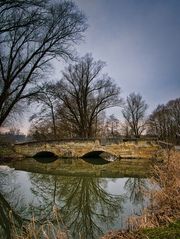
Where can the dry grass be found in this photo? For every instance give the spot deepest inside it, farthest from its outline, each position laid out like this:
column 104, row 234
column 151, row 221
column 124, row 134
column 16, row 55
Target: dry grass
column 165, row 206
column 123, row 235
column 165, row 201
column 45, row 231
column 51, row 229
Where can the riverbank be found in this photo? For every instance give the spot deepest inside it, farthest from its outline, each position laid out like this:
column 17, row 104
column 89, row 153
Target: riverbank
column 172, row 231
column 7, row 153
column 161, row 220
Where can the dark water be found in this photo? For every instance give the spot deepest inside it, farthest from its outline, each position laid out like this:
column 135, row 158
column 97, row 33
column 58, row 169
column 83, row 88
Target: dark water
column 89, row 206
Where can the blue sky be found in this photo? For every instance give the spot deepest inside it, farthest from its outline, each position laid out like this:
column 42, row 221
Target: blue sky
column 140, row 42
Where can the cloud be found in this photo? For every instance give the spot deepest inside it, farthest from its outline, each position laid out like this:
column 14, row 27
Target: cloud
column 139, row 40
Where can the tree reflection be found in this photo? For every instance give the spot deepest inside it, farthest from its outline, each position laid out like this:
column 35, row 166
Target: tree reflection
column 44, row 188
column 11, row 206
column 136, row 187
column 85, row 206
column 8, row 219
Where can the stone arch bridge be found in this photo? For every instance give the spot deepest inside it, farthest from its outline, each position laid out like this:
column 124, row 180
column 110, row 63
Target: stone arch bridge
column 88, row 148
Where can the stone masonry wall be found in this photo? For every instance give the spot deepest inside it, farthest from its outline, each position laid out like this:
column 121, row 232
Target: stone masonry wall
column 142, row 149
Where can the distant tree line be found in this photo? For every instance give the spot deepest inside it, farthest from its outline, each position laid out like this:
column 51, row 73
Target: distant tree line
column 66, row 111
column 12, row 135
column 165, row 121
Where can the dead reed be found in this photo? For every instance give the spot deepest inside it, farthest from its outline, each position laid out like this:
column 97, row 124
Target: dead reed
column 50, row 229
column 164, row 205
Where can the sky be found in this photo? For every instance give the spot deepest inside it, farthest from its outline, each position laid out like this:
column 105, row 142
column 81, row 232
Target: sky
column 140, row 42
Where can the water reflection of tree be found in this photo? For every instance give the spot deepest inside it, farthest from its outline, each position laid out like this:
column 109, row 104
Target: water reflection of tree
column 11, row 206
column 86, row 208
column 44, row 189
column 136, row 188
column 88, row 205
column 9, row 219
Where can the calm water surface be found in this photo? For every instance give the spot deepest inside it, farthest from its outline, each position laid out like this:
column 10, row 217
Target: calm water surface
column 89, row 205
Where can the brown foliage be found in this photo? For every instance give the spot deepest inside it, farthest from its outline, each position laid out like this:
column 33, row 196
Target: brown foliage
column 124, row 235
column 164, row 207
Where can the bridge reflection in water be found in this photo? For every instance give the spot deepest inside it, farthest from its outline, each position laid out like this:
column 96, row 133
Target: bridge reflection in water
column 99, row 157
column 78, row 167
column 45, row 157
column 88, row 206
column 94, row 157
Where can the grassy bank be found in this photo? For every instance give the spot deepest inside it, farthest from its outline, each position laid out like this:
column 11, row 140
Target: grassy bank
column 6, row 152
column 161, row 220
column 171, row 231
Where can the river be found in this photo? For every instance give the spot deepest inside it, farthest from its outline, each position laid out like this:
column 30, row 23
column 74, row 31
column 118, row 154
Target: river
column 89, row 199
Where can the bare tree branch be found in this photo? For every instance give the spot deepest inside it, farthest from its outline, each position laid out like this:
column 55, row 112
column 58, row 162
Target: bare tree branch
column 32, row 33
column 85, row 94
column 134, row 113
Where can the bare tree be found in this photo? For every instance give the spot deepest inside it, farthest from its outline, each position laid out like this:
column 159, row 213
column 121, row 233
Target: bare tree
column 134, row 113
column 41, row 129
column 165, row 121
column 46, row 100
column 112, row 126
column 36, row 34
column 84, row 94
column 9, row 7
column 47, row 123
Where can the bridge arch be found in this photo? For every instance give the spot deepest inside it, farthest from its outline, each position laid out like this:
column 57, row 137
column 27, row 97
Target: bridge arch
column 93, row 154
column 45, row 156
column 106, row 156
column 82, row 148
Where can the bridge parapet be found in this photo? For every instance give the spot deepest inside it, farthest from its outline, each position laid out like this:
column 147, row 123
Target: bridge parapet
column 78, row 148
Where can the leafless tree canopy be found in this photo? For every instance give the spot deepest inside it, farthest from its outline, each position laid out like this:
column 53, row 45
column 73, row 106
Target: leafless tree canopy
column 9, row 7
column 165, row 121
column 46, row 100
column 85, row 93
column 134, row 113
column 32, row 33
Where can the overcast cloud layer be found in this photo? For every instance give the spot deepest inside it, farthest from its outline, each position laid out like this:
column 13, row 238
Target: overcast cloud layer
column 140, row 42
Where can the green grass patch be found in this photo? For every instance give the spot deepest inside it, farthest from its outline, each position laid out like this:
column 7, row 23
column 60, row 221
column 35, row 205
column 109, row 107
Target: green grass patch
column 169, row 232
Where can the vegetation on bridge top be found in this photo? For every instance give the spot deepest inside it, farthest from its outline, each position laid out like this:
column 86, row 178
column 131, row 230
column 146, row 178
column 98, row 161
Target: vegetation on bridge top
column 114, row 139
